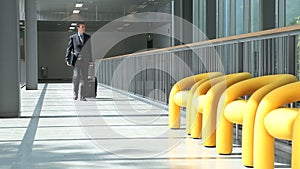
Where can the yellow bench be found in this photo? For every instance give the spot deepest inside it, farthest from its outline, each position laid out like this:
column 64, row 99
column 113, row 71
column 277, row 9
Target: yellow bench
column 195, row 102
column 272, row 121
column 239, row 111
column 179, row 95
column 208, row 108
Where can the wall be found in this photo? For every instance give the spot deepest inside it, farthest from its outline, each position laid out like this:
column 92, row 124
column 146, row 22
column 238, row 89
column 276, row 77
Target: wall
column 162, row 40
column 129, row 45
column 52, row 49
column 51, row 53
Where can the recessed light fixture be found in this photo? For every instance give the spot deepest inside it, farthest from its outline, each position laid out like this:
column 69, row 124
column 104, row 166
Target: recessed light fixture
column 73, row 24
column 71, row 28
column 78, row 5
column 76, row 11
column 126, row 24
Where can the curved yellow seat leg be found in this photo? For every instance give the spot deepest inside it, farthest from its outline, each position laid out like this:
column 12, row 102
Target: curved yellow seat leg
column 198, row 102
column 197, row 112
column 296, row 144
column 210, row 109
column 263, row 140
column 289, row 120
column 196, row 116
column 182, row 85
column 190, row 103
column 244, row 113
column 209, row 114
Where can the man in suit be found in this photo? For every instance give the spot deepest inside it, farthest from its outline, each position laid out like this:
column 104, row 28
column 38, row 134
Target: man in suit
column 79, row 56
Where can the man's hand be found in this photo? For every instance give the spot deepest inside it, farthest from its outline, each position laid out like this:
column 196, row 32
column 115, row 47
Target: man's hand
column 68, row 64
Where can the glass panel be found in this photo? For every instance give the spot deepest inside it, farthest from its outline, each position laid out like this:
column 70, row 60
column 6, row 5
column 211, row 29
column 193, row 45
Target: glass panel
column 298, row 57
column 239, row 17
column 276, row 14
column 255, row 15
column 292, row 12
column 227, row 17
column 293, row 18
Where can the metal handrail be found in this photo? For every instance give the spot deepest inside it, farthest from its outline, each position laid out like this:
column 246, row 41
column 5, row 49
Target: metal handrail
column 254, row 36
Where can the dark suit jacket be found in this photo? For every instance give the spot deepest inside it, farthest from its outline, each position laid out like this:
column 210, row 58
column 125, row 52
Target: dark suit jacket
column 76, row 49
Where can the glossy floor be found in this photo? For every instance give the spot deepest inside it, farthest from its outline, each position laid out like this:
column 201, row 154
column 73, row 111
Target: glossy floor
column 111, row 131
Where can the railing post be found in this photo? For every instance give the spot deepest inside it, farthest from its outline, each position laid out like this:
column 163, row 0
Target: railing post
column 292, row 60
column 240, row 56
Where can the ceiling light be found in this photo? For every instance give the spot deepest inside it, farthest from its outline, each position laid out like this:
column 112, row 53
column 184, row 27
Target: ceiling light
column 78, row 5
column 126, row 24
column 71, row 28
column 76, row 11
column 120, row 28
column 73, row 24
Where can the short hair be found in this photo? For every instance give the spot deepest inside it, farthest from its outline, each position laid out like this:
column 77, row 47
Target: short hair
column 80, row 23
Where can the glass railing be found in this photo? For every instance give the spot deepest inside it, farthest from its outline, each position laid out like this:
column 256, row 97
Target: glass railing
column 151, row 74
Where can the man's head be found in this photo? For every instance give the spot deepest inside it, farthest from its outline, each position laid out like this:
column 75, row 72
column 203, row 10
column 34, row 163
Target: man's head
column 81, row 27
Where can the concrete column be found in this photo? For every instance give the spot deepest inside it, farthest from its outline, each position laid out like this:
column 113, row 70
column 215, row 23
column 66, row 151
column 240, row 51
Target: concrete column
column 31, row 45
column 9, row 59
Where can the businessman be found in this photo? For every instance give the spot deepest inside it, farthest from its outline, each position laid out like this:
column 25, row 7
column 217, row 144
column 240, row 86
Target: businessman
column 79, row 56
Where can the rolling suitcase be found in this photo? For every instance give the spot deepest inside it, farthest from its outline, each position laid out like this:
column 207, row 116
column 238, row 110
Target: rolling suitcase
column 91, row 90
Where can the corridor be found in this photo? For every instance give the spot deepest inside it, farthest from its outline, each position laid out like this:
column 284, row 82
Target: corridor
column 113, row 130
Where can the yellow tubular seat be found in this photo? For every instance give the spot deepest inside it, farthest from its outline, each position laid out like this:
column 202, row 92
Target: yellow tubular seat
column 272, row 121
column 233, row 110
column 181, row 97
column 205, row 125
column 182, row 86
column 286, row 118
column 189, row 103
column 198, row 90
column 197, row 100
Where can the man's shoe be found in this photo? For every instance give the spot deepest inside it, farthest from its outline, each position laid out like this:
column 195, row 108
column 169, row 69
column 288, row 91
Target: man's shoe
column 75, row 95
column 83, row 99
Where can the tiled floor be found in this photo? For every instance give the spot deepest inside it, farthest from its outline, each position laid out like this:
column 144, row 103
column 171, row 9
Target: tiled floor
column 111, row 131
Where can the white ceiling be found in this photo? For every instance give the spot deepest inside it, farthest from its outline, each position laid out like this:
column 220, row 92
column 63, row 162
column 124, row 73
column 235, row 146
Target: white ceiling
column 96, row 10
column 56, row 15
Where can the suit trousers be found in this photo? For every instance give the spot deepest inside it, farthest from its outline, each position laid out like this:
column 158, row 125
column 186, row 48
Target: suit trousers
column 80, row 77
